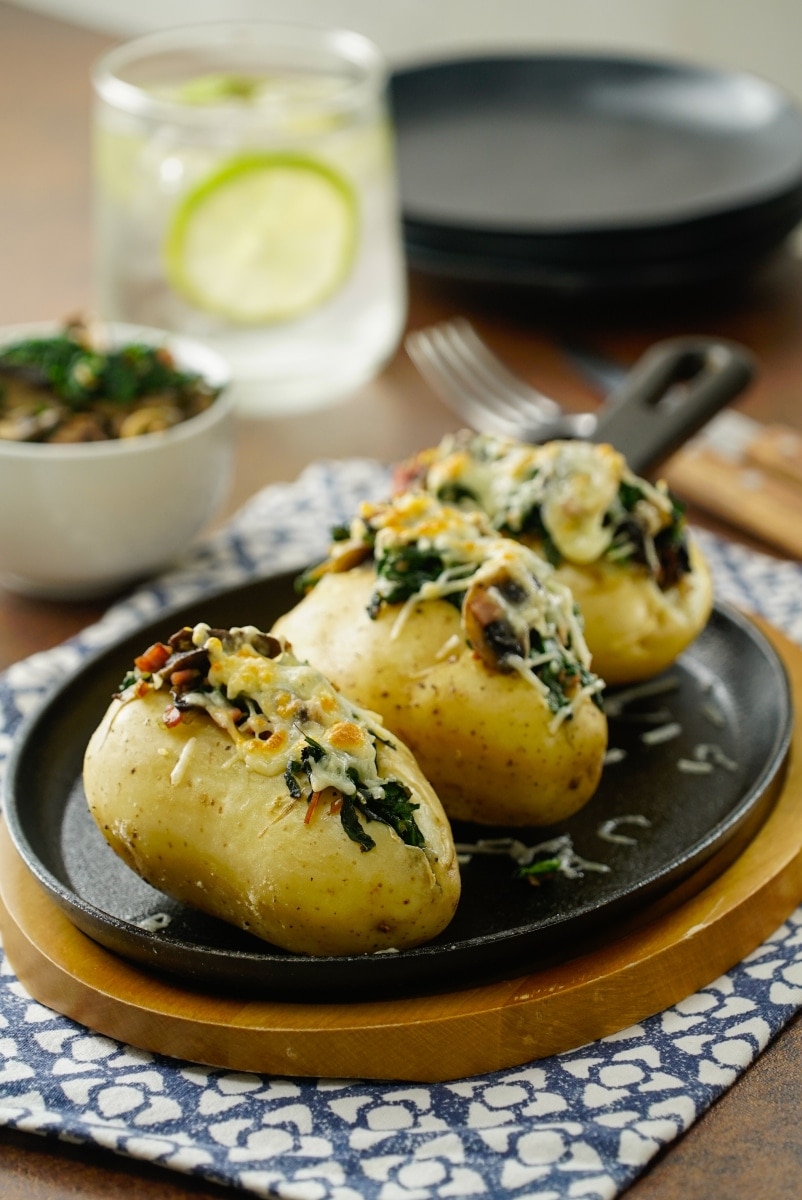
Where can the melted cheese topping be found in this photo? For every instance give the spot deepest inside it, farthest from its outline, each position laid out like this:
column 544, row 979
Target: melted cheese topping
column 296, row 703
column 573, row 484
column 581, row 482
column 474, row 555
column 497, row 472
column 419, row 517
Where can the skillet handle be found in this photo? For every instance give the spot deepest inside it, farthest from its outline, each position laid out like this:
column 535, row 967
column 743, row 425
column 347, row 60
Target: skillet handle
column 670, row 393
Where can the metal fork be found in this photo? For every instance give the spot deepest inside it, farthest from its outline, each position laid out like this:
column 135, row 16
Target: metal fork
column 480, row 389
column 673, row 390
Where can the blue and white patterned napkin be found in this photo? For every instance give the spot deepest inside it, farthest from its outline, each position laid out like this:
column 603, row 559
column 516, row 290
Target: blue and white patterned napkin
column 582, row 1124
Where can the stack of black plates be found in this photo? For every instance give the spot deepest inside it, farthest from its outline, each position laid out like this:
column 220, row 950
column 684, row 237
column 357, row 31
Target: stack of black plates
column 581, row 174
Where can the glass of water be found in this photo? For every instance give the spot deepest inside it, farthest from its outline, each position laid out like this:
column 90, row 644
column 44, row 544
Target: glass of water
column 246, row 195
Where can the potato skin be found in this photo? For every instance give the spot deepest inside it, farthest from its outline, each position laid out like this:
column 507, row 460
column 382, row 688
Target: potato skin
column 481, row 737
column 632, row 628
column 227, row 840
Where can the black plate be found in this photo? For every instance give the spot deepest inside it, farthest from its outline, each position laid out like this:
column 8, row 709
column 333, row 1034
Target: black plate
column 503, row 926
column 582, row 161
column 591, row 279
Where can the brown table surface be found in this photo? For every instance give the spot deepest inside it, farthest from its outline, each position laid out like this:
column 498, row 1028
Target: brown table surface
column 750, row 1142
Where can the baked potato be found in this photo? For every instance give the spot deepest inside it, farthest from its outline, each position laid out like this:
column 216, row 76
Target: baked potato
column 237, row 780
column 620, row 543
column 469, row 648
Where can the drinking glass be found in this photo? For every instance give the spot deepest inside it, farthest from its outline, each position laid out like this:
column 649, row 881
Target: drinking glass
column 245, row 194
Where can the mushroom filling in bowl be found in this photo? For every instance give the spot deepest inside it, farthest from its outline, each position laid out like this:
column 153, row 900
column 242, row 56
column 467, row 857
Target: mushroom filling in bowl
column 70, row 387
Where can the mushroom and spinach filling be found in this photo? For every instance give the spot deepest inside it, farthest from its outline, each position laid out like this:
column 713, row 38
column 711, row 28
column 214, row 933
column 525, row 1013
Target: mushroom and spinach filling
column 68, row 388
column 404, row 539
column 665, row 552
column 577, row 500
column 404, row 572
column 284, row 718
column 518, row 617
column 515, row 614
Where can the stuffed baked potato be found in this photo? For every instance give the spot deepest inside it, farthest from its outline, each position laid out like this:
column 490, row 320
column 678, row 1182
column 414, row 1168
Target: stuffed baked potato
column 469, row 648
column 618, row 542
column 236, row 779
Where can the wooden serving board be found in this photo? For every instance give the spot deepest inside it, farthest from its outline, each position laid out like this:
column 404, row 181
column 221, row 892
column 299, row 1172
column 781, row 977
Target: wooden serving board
column 672, row 953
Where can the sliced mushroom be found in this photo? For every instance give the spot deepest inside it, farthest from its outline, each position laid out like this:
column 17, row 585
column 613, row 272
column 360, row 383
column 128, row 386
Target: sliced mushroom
column 495, row 615
column 20, row 425
column 81, row 427
column 150, row 418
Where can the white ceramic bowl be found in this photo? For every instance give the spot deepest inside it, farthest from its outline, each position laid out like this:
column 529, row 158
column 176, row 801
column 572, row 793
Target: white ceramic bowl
column 84, row 520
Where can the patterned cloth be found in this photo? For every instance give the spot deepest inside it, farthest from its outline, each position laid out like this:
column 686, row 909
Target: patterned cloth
column 580, row 1124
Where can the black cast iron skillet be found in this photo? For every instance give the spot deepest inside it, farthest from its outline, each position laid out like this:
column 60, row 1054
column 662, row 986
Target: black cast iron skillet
column 669, row 395
column 729, row 689
column 677, row 386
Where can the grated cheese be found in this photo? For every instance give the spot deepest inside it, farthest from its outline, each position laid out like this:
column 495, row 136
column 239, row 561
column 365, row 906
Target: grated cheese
column 694, row 766
column 524, row 669
column 451, row 646
column 154, row 922
column 299, row 702
column 714, row 714
column 710, row 752
column 608, row 830
column 478, row 563
column 178, row 773
column 663, row 733
column 289, row 707
column 615, row 704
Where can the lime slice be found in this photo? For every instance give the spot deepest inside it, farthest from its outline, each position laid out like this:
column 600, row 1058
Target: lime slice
column 212, row 89
column 266, row 238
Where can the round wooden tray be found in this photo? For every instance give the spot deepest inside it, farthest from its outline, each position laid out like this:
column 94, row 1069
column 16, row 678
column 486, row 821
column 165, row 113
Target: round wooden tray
column 673, row 952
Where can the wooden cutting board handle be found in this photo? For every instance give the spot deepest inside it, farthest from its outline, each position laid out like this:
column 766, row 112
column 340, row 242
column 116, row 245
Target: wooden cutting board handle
column 762, row 502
